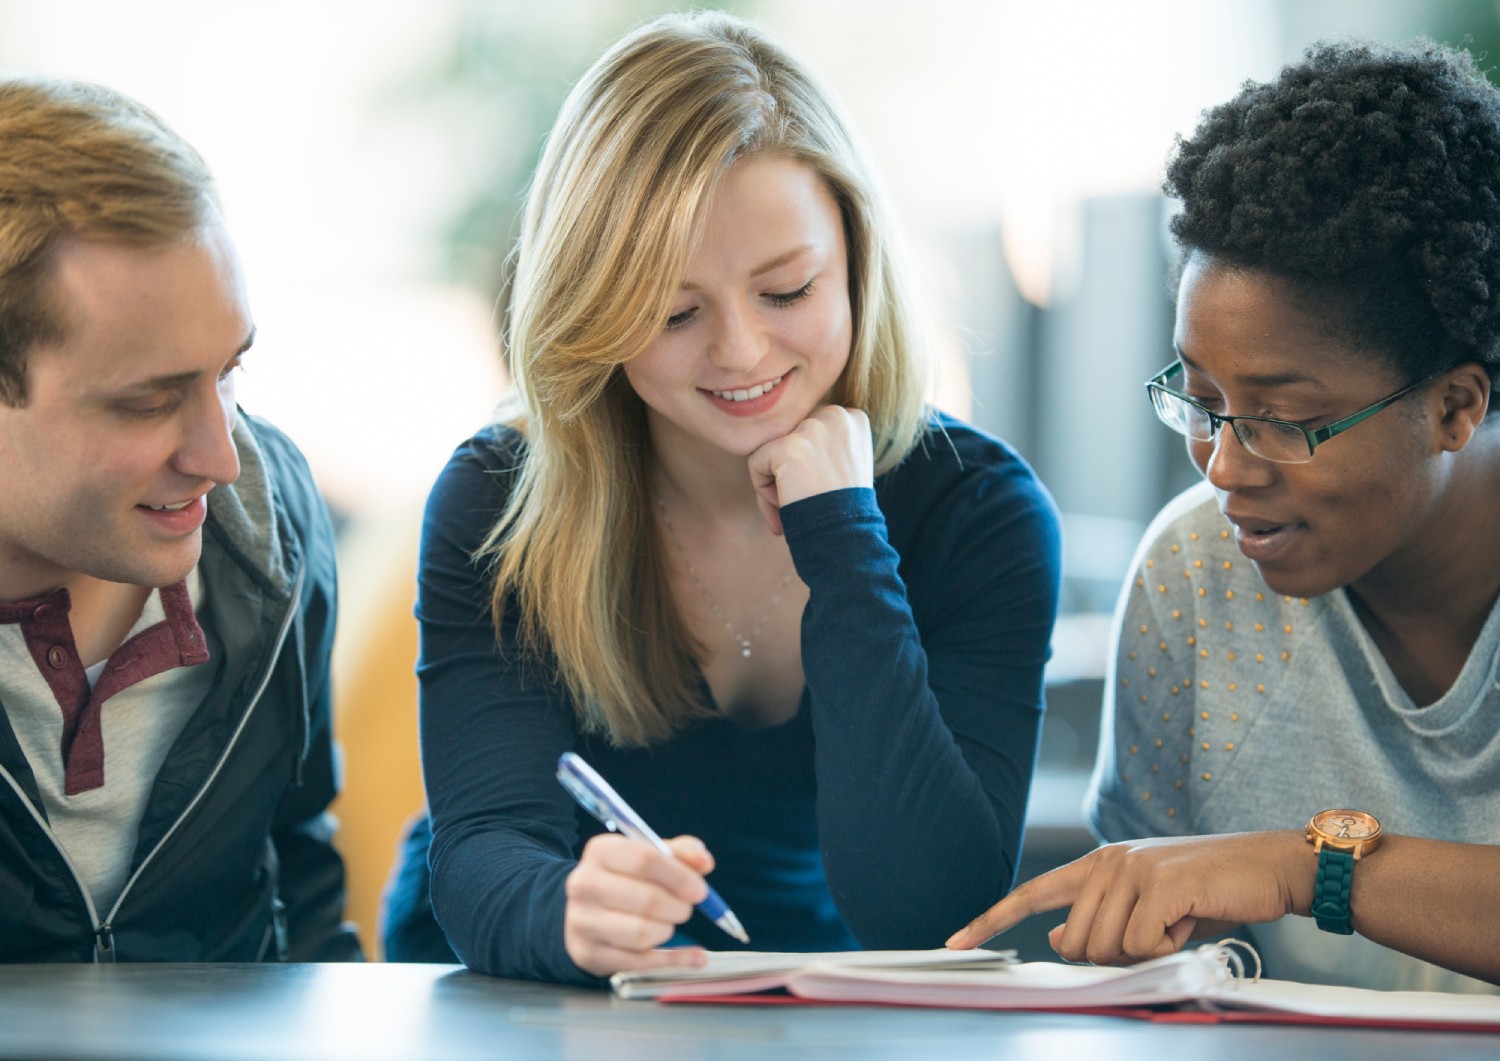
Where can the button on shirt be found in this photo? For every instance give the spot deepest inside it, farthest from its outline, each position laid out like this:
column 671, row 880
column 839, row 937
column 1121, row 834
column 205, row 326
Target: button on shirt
column 132, row 706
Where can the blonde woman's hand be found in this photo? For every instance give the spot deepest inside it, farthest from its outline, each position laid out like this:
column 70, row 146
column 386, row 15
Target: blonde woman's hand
column 830, row 450
column 1145, row 898
column 626, row 898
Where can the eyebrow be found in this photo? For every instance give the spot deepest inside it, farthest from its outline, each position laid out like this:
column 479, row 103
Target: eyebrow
column 1264, row 380
column 177, row 379
column 775, row 263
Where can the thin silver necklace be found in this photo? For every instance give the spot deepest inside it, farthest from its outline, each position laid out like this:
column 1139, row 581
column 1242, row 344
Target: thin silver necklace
column 708, row 598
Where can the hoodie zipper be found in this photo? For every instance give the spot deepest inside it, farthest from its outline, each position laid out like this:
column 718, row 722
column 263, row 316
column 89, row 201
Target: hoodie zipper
column 265, row 679
column 104, row 934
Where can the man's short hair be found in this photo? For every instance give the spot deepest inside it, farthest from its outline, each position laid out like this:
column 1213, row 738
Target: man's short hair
column 80, row 161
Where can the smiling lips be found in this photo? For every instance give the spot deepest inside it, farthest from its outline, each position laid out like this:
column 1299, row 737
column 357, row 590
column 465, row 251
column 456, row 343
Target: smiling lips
column 177, row 517
column 748, row 401
column 748, row 393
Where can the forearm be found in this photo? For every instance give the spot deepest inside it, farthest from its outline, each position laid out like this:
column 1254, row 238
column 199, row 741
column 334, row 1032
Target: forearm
column 492, row 726
column 912, row 840
column 503, row 829
column 1434, row 900
column 500, row 900
column 1431, row 899
column 920, row 806
column 911, row 843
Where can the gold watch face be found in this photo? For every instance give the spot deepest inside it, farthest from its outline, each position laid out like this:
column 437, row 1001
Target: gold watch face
column 1345, row 828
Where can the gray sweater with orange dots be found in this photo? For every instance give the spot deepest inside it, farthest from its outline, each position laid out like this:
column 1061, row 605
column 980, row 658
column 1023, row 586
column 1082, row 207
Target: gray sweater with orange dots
column 1230, row 708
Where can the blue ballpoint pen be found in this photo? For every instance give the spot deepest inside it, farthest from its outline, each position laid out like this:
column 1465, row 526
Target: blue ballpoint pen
column 595, row 796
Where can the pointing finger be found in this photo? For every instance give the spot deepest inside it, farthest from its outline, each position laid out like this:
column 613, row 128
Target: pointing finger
column 1050, row 891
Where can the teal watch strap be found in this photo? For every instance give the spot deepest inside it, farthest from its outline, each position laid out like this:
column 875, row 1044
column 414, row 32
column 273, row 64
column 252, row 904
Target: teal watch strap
column 1330, row 906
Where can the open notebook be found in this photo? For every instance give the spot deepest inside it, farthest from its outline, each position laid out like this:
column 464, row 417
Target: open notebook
column 1207, row 984
column 743, row 972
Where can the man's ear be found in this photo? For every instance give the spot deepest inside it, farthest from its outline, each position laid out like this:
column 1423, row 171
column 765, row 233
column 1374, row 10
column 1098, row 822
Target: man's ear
column 1464, row 393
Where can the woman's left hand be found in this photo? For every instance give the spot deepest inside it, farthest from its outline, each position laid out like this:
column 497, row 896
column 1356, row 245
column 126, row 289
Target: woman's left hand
column 1144, row 898
column 830, row 450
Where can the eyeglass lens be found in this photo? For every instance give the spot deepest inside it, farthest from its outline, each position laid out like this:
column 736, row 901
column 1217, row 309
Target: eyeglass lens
column 1284, row 443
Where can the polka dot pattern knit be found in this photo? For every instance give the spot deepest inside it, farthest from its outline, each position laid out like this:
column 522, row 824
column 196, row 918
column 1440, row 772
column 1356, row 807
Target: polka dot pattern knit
column 1230, row 708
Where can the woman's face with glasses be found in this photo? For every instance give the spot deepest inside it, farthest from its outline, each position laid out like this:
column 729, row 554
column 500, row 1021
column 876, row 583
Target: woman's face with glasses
column 1363, row 504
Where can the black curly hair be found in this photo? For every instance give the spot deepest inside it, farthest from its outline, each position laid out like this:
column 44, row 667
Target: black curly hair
column 1366, row 178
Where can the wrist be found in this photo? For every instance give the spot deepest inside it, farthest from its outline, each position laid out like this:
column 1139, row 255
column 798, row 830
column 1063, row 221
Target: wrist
column 1339, row 839
column 1300, row 871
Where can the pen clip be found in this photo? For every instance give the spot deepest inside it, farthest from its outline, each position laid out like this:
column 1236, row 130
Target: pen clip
column 587, row 797
column 603, row 802
column 595, row 796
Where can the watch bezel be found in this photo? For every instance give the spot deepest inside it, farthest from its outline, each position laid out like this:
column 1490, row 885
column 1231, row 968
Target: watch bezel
column 1320, row 837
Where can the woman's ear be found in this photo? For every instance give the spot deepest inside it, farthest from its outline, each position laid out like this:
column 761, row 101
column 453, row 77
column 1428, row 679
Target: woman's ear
column 1464, row 392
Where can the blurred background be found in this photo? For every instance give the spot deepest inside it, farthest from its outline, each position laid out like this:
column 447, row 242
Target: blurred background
column 372, row 155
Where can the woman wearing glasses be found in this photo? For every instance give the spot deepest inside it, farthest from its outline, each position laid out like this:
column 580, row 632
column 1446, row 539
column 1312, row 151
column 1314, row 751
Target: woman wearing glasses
column 1304, row 705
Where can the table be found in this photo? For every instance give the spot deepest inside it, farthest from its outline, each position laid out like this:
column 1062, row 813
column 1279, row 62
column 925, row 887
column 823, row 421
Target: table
column 437, row 1012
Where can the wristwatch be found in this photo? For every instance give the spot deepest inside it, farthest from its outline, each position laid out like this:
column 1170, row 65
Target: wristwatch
column 1339, row 838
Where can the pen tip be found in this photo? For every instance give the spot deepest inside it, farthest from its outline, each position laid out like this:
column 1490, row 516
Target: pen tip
column 731, row 924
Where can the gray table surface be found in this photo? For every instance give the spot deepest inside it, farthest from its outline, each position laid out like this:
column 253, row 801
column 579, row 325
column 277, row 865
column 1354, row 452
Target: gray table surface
column 211, row 1012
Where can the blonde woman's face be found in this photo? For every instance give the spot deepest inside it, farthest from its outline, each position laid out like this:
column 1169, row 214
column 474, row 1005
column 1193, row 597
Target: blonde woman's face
column 761, row 327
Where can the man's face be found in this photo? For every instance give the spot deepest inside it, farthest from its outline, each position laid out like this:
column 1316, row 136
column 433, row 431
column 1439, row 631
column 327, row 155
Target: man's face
column 104, row 470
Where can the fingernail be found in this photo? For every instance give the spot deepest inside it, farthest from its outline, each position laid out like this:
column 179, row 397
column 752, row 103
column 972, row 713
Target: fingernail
column 951, row 939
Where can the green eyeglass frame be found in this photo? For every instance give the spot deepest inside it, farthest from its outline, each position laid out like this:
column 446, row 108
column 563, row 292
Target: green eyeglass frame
column 1164, row 398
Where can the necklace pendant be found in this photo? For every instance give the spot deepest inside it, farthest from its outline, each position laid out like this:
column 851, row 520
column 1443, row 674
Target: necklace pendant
column 708, row 598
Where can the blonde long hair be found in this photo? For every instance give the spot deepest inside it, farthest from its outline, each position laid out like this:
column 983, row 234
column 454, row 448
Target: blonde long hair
column 610, row 221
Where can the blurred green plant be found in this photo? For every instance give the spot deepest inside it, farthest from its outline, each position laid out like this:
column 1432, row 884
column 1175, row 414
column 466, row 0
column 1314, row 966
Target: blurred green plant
column 502, row 82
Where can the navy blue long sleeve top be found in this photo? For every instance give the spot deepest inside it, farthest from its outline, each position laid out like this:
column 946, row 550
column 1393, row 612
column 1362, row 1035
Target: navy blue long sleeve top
column 886, row 813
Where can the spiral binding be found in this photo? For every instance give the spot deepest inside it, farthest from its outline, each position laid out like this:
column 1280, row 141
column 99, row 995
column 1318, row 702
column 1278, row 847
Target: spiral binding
column 1227, row 955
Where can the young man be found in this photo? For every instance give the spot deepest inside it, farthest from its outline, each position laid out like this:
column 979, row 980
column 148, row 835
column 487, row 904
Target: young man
column 166, row 570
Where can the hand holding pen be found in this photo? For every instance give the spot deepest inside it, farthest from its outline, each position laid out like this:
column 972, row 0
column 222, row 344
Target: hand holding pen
column 626, row 899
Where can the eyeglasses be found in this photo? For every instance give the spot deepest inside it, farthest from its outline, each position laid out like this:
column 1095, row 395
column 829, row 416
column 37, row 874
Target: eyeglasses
column 1281, row 441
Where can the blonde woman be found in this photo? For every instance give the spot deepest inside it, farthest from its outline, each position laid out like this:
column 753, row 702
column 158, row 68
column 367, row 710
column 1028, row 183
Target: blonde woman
column 720, row 548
